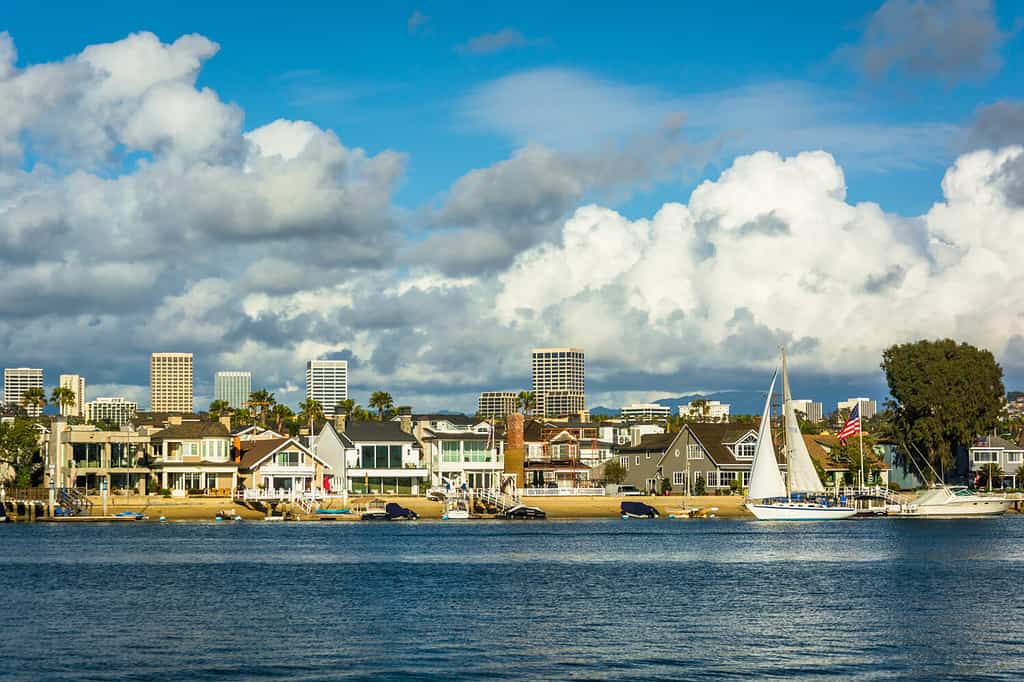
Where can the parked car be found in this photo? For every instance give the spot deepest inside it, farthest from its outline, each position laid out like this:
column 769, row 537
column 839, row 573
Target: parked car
column 628, row 490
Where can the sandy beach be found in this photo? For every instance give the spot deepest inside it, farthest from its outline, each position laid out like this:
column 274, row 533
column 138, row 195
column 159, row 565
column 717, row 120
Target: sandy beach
column 206, row 508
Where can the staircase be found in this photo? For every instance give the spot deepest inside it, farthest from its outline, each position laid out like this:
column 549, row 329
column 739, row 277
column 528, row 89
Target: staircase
column 306, row 504
column 493, row 498
column 74, row 502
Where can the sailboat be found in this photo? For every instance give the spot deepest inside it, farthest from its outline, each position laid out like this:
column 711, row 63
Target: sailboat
column 768, row 497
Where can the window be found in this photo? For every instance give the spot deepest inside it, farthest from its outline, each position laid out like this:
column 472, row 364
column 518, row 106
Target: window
column 711, row 480
column 985, row 456
column 289, row 458
column 211, row 481
column 677, row 452
column 725, row 478
column 1014, row 456
column 624, row 462
column 192, row 480
column 746, row 479
column 648, row 456
column 366, row 457
column 638, row 460
column 450, row 451
column 678, row 477
column 475, row 451
column 746, row 449
column 694, row 451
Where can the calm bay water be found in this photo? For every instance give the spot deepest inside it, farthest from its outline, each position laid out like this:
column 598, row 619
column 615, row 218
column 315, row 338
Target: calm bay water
column 878, row 599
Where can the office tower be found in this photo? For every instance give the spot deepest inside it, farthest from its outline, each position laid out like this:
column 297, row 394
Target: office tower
column 327, row 383
column 868, row 407
column 558, row 384
column 233, row 387
column 170, row 382
column 812, row 410
column 77, row 385
column 497, row 404
column 646, row 412
column 17, row 380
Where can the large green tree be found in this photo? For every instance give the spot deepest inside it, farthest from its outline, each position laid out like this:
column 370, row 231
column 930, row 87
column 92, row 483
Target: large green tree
column 63, row 397
column 944, row 394
column 19, row 442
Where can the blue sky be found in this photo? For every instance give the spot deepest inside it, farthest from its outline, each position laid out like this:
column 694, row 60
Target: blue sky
column 555, row 107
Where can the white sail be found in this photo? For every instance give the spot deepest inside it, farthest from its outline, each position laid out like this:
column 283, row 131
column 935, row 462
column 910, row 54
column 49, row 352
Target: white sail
column 765, row 477
column 803, row 477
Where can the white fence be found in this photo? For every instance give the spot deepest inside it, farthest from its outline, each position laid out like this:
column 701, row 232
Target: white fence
column 264, row 495
column 562, row 492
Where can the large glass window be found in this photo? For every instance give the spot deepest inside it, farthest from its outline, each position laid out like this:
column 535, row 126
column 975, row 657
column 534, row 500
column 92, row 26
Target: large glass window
column 366, row 459
column 985, row 456
column 87, row 454
column 395, row 456
column 193, row 480
column 450, row 451
column 746, row 449
column 475, row 451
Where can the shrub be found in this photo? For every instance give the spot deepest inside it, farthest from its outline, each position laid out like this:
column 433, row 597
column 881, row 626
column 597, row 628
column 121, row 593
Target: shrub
column 166, row 492
column 699, row 486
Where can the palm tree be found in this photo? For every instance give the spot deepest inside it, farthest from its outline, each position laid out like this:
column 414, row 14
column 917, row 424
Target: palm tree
column 345, row 406
column 382, row 401
column 259, row 403
column 33, row 397
column 311, row 411
column 526, row 401
column 219, row 408
column 240, row 418
column 280, row 413
column 63, row 397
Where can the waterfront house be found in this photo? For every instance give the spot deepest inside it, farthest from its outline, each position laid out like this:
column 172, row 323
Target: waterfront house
column 89, row 458
column 876, row 470
column 475, row 456
column 372, row 457
column 560, row 453
column 281, row 464
column 720, row 454
column 998, row 454
column 194, row 456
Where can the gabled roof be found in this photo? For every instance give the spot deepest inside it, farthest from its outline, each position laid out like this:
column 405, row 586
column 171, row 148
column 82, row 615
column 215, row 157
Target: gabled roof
column 457, row 418
column 995, row 442
column 714, row 436
column 375, row 432
column 254, row 452
column 192, row 430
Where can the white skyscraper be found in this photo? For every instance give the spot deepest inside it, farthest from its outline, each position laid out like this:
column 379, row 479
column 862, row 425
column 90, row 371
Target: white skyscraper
column 327, row 383
column 558, row 383
column 234, row 387
column 77, row 385
column 170, row 382
column 17, row 380
column 496, row 403
column 116, row 410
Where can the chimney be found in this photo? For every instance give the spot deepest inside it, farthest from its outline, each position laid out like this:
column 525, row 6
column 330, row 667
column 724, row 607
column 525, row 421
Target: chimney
column 339, row 422
column 226, row 421
column 406, row 423
column 514, row 424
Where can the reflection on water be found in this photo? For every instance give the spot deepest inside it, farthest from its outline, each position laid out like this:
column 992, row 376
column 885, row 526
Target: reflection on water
column 595, row 600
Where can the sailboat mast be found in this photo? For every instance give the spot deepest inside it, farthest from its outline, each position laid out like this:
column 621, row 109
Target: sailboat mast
column 787, row 447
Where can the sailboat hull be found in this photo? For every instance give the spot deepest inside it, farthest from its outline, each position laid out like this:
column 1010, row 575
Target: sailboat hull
column 798, row 511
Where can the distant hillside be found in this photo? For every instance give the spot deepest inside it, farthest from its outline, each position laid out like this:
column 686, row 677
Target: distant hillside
column 605, row 411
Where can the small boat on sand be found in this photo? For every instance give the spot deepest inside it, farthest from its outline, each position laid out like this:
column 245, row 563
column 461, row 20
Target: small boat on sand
column 638, row 510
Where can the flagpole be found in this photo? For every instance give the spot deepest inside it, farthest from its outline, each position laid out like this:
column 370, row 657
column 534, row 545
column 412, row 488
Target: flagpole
column 860, row 434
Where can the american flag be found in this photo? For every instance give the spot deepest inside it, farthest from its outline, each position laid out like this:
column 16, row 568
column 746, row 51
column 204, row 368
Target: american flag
column 852, row 427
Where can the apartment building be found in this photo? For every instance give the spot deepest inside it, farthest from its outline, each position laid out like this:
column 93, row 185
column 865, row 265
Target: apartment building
column 233, row 388
column 17, row 380
column 868, row 407
column 811, row 409
column 76, row 383
column 327, row 383
column 170, row 382
column 115, row 410
column 497, row 404
column 558, row 381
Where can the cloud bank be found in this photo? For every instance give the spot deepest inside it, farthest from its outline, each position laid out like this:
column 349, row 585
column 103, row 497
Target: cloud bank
column 157, row 221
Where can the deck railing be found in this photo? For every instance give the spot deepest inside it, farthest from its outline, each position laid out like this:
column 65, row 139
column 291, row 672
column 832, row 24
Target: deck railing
column 562, row 492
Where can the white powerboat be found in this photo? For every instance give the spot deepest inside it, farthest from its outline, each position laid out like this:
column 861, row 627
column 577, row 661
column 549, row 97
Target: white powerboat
column 955, row 501
column 769, row 498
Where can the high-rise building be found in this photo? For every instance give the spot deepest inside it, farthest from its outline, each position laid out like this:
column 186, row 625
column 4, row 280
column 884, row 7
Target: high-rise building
column 558, row 381
column 116, row 410
column 233, row 387
column 327, row 383
column 17, row 380
column 77, row 385
column 868, row 407
column 646, row 412
column 496, row 404
column 812, row 410
column 706, row 410
column 170, row 382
